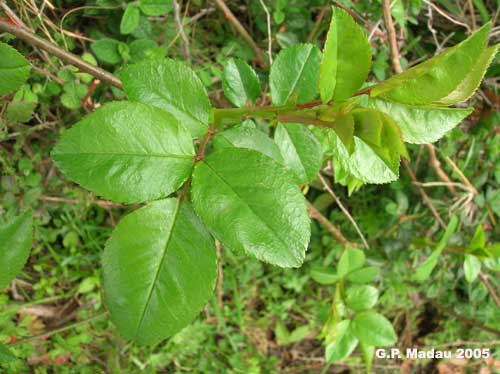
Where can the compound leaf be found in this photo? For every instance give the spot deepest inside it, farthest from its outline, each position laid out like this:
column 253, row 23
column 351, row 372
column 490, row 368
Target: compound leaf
column 435, row 79
column 294, row 74
column 127, row 152
column 250, row 203
column 16, row 238
column 240, row 83
column 159, row 270
column 346, row 58
column 301, row 151
column 374, row 329
column 14, row 69
column 421, row 124
column 172, row 86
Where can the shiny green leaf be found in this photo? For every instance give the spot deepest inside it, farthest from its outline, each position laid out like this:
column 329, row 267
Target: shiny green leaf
column 421, row 124
column 159, row 270
column 301, row 151
column 250, row 203
column 374, row 329
column 472, row 80
column 294, row 74
column 360, row 298
column 14, row 69
column 340, row 341
column 435, row 79
column 240, row 83
column 248, row 137
column 127, row 152
column 16, row 238
column 172, row 86
column 346, row 58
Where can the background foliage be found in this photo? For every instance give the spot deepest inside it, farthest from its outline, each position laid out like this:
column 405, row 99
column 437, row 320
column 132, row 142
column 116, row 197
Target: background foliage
column 262, row 318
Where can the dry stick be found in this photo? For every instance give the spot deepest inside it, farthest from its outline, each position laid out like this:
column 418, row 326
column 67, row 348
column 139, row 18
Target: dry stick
column 316, row 214
column 56, row 331
column 317, row 24
column 180, row 29
column 36, row 41
column 242, row 31
column 463, row 319
column 436, row 165
column 489, row 287
column 393, row 44
column 344, row 210
column 11, row 14
column 269, row 34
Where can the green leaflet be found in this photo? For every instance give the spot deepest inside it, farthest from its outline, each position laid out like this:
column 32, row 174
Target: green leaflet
column 435, row 79
column 324, row 276
column 172, row 86
column 472, row 268
column 16, row 238
column 5, row 354
column 14, row 69
column 127, row 152
column 155, row 7
column 420, row 124
column 352, row 259
column 373, row 329
column 240, row 83
column 340, row 341
column 301, row 151
column 159, row 270
column 250, row 203
column 472, row 81
column 294, row 74
column 244, row 136
column 360, row 298
column 424, row 271
column 106, row 50
column 346, row 58
column 130, row 19
column 364, row 275
column 377, row 149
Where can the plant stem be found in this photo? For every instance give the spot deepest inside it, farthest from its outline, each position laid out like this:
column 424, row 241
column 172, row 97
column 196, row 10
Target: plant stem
column 57, row 331
column 57, row 51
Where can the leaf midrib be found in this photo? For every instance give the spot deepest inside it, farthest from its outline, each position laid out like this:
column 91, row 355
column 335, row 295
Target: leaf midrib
column 160, row 267
column 157, row 155
column 248, row 205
